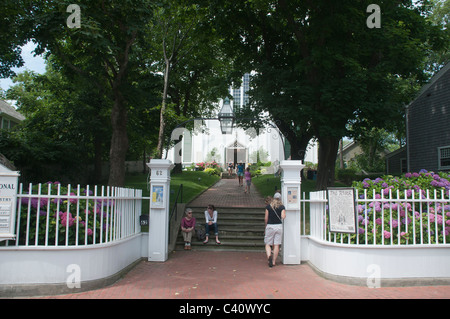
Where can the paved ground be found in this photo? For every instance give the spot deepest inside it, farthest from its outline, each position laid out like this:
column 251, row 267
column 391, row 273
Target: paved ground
column 228, row 193
column 203, row 275
column 239, row 275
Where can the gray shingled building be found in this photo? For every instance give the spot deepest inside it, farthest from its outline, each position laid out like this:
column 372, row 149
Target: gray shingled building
column 427, row 129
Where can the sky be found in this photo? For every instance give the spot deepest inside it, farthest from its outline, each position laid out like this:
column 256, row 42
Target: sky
column 32, row 63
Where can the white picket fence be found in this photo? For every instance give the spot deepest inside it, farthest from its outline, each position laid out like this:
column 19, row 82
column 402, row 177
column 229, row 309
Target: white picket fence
column 52, row 215
column 418, row 219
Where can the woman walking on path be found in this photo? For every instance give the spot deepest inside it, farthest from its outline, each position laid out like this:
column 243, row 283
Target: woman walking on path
column 274, row 215
column 248, row 180
column 240, row 173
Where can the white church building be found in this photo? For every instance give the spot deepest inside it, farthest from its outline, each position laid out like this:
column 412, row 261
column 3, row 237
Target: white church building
column 207, row 143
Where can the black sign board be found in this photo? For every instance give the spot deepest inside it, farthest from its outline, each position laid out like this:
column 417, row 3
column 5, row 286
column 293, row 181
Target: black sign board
column 144, row 220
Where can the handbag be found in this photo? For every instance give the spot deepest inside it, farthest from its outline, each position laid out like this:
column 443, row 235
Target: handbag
column 201, row 234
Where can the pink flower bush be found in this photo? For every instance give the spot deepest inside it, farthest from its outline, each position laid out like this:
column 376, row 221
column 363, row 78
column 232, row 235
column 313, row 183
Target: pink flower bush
column 56, row 210
column 386, row 218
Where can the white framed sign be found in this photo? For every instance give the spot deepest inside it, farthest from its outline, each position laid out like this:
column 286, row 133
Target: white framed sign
column 8, row 203
column 158, row 197
column 341, row 210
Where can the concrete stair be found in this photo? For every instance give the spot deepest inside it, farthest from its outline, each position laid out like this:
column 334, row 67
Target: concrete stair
column 240, row 229
column 227, row 175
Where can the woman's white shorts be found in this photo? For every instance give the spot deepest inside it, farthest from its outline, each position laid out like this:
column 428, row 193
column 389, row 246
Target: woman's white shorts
column 274, row 234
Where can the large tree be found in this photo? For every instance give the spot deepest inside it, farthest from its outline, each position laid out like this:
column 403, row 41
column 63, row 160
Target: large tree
column 102, row 50
column 320, row 67
column 188, row 54
column 14, row 33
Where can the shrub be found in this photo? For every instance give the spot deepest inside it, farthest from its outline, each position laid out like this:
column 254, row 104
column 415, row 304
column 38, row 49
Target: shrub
column 401, row 210
column 346, row 175
column 76, row 218
column 212, row 171
column 204, row 165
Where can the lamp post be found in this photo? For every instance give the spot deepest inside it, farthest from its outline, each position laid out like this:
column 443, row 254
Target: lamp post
column 226, row 117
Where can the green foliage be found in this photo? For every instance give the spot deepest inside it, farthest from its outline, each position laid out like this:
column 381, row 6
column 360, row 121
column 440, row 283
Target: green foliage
column 320, row 68
column 346, row 175
column 58, row 221
column 62, row 117
column 14, row 32
column 419, row 213
column 212, row 171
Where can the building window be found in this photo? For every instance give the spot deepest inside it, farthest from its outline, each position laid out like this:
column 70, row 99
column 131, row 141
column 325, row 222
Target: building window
column 5, row 124
column 444, row 157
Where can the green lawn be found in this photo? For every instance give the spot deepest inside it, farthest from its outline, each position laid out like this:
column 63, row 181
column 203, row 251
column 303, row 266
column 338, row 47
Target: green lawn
column 267, row 184
column 194, row 183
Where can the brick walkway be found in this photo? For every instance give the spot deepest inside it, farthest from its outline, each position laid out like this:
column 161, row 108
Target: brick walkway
column 238, row 275
column 228, row 193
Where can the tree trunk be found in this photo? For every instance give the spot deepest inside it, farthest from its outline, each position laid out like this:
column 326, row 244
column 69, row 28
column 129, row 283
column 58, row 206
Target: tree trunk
column 328, row 147
column 119, row 141
column 162, row 123
column 97, row 159
column 298, row 148
column 299, row 142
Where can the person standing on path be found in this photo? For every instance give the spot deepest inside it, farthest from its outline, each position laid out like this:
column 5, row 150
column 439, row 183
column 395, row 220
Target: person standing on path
column 240, row 173
column 188, row 228
column 274, row 215
column 248, row 180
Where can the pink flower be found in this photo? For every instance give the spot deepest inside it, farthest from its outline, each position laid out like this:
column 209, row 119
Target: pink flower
column 73, row 200
column 67, row 218
column 90, row 232
column 387, row 234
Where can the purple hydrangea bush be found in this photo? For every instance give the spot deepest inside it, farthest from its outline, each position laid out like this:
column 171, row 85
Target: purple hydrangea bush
column 411, row 209
column 66, row 218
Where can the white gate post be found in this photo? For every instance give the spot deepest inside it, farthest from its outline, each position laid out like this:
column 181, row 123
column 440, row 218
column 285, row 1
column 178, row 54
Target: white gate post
column 290, row 192
column 158, row 239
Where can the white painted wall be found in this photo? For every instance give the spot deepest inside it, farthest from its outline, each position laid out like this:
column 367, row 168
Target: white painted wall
column 406, row 262
column 26, row 265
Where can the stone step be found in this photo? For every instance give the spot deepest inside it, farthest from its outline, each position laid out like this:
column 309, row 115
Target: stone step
column 226, row 175
column 227, row 243
column 227, row 210
column 227, row 213
column 239, row 229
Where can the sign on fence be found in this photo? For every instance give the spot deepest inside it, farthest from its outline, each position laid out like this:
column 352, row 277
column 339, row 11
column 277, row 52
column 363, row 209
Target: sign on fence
column 341, row 210
column 8, row 202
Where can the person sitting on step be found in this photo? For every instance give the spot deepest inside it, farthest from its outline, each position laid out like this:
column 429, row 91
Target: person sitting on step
column 211, row 223
column 188, row 228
